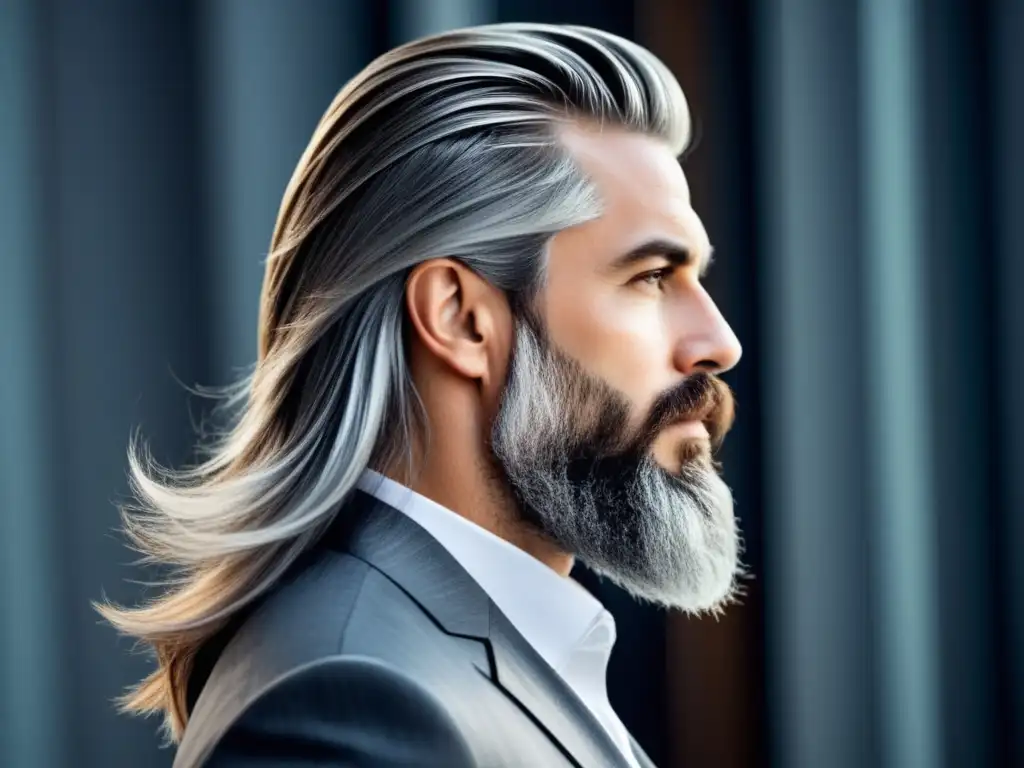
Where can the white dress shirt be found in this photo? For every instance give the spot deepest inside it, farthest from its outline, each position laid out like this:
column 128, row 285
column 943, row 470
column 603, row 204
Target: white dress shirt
column 564, row 623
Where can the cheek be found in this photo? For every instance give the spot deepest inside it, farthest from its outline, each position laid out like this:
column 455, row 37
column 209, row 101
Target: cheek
column 622, row 340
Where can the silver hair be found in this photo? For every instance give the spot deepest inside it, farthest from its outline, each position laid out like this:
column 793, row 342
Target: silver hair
column 447, row 146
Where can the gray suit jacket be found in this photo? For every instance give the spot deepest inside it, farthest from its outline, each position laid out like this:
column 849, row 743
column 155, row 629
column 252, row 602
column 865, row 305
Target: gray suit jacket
column 378, row 649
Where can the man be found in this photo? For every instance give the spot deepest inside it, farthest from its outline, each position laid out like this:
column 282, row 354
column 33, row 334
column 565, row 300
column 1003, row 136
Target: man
column 485, row 351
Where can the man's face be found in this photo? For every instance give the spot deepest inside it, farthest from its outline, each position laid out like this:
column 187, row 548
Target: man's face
column 612, row 407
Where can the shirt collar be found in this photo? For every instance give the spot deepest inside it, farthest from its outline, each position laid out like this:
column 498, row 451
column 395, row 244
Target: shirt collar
column 563, row 622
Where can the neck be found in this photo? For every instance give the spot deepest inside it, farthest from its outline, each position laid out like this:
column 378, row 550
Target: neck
column 464, row 482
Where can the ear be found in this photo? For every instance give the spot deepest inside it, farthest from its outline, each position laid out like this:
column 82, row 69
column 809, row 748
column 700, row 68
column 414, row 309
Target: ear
column 463, row 320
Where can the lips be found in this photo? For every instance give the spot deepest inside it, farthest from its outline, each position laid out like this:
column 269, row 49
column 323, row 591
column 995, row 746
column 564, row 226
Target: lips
column 694, row 429
column 703, row 401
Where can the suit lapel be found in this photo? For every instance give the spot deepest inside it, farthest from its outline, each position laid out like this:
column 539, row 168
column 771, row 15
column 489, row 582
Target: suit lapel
column 639, row 754
column 398, row 547
column 527, row 678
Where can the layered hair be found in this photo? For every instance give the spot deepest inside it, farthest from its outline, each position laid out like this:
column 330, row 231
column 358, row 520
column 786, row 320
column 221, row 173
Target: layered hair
column 444, row 147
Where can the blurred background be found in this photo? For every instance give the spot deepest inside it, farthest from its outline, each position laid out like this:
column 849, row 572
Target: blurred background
column 859, row 166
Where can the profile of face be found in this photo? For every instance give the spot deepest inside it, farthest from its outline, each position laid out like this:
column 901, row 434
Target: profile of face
column 612, row 407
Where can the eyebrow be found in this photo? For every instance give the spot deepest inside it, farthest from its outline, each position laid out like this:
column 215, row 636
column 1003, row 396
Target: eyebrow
column 677, row 254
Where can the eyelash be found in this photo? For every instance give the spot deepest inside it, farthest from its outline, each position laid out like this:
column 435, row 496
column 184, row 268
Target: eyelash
column 659, row 275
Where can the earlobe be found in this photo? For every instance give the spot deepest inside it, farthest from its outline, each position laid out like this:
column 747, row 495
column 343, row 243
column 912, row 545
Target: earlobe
column 448, row 315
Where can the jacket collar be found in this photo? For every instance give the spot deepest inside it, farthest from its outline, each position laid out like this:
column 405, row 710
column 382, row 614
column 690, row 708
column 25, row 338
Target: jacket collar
column 399, row 548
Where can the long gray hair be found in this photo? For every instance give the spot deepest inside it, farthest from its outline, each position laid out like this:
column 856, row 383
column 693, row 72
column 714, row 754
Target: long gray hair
column 446, row 146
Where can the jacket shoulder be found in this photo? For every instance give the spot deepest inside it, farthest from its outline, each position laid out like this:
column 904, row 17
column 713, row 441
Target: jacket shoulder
column 342, row 710
column 302, row 619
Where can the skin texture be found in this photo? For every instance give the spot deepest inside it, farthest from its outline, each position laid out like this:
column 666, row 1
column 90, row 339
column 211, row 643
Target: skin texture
column 642, row 328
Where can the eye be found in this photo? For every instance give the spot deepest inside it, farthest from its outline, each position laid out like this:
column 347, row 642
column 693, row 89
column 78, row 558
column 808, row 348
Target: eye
column 655, row 278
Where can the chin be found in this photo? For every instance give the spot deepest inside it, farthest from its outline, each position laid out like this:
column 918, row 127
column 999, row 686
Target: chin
column 693, row 453
column 683, row 552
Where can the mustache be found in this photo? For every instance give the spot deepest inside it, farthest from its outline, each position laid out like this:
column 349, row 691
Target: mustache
column 701, row 397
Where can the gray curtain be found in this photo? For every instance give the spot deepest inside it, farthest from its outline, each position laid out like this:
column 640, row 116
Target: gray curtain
column 144, row 150
column 890, row 196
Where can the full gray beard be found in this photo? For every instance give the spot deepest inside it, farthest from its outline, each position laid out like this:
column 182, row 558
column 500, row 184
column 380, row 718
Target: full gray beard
column 668, row 538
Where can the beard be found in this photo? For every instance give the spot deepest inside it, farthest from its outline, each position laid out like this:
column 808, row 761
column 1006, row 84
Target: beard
column 589, row 483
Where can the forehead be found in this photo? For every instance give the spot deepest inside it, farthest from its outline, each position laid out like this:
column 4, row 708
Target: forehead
column 643, row 191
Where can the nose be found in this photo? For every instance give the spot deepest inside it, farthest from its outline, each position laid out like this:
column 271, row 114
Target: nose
column 707, row 344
